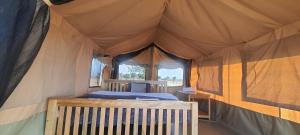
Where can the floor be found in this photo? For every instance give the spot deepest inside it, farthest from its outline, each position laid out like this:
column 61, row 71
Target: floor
column 213, row 128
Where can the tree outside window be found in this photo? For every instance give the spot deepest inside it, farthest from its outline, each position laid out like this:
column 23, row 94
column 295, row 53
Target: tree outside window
column 174, row 77
column 131, row 72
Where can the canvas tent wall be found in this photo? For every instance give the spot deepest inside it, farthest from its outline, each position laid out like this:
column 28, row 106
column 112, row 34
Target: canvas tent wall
column 193, row 29
column 60, row 69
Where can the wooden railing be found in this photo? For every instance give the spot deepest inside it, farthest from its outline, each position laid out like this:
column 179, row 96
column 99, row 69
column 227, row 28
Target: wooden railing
column 122, row 85
column 65, row 116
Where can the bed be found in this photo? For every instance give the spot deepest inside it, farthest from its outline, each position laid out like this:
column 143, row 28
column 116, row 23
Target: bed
column 121, row 113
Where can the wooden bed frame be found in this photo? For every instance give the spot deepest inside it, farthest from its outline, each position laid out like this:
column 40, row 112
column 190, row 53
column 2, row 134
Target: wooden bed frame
column 60, row 111
column 122, row 85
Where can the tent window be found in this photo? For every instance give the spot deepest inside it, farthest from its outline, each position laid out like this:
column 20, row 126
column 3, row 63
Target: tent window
column 150, row 59
column 271, row 74
column 131, row 72
column 96, row 72
column 174, row 77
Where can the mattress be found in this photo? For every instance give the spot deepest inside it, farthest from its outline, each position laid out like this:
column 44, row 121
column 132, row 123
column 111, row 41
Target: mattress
column 129, row 95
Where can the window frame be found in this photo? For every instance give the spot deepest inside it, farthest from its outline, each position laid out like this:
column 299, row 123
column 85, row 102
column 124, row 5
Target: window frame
column 183, row 76
column 90, row 73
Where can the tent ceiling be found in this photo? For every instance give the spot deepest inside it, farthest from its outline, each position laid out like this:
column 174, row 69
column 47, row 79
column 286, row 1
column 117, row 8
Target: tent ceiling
column 188, row 28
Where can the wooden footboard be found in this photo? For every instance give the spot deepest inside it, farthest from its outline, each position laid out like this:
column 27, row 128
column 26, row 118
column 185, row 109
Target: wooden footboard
column 66, row 115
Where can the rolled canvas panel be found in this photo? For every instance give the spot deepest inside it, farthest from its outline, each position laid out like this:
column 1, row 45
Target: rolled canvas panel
column 210, row 74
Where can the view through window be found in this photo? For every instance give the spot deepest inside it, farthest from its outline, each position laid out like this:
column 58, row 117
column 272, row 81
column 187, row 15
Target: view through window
column 174, row 77
column 131, row 72
column 96, row 72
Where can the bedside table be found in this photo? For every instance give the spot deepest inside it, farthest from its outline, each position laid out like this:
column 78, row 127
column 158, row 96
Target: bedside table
column 192, row 96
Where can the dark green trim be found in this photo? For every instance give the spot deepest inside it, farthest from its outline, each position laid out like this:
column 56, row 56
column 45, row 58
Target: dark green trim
column 34, row 125
column 247, row 122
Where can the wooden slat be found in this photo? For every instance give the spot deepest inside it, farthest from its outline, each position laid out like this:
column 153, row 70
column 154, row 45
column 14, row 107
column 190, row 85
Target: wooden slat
column 152, row 122
column 60, row 120
column 119, row 86
column 136, row 121
column 168, row 132
column 144, row 122
column 51, row 117
column 111, row 120
column 160, row 121
column 119, row 122
column 184, row 122
column 194, row 123
column 85, row 120
column 159, row 88
column 68, row 121
column 113, row 86
column 94, row 120
column 109, row 86
column 122, row 87
column 102, row 121
column 116, row 85
column 76, row 120
column 176, row 126
column 127, row 125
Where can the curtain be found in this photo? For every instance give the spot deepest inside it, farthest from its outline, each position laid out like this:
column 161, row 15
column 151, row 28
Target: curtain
column 23, row 27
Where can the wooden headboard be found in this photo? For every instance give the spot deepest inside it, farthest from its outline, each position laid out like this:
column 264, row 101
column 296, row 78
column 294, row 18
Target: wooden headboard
column 122, row 85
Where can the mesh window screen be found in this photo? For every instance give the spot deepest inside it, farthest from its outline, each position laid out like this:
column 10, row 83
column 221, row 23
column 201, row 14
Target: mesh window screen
column 271, row 73
column 23, row 27
column 153, row 55
column 210, row 76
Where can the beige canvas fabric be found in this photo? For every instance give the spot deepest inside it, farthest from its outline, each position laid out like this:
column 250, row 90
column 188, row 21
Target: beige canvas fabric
column 272, row 73
column 61, row 69
column 188, row 28
column 142, row 59
column 197, row 29
column 118, row 26
column 210, row 75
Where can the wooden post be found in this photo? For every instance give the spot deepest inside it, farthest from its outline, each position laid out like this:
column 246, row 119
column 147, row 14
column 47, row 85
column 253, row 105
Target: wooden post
column 51, row 117
column 194, row 122
column 165, row 86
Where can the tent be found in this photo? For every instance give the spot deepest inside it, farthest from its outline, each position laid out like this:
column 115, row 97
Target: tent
column 244, row 54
